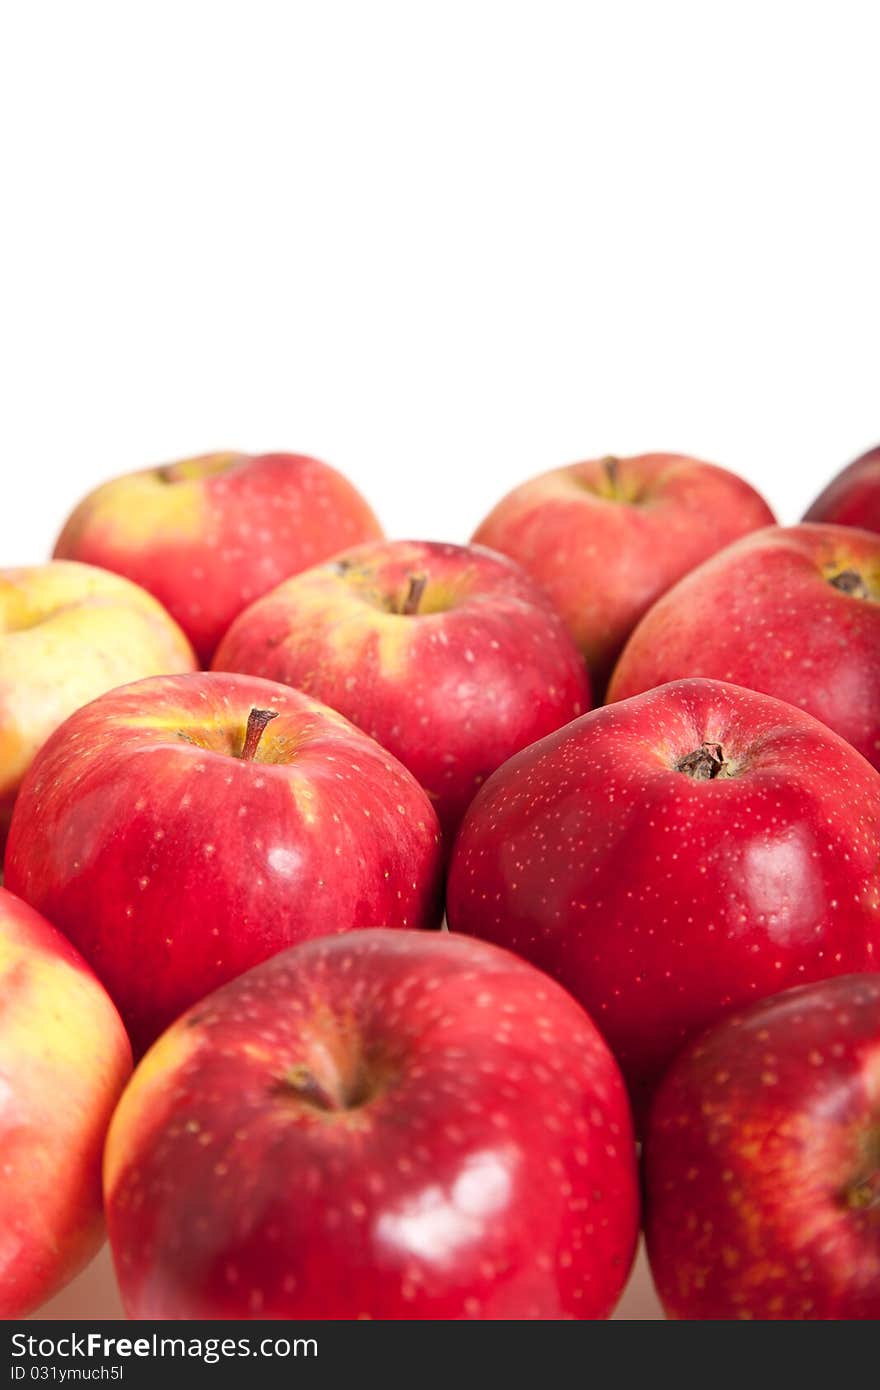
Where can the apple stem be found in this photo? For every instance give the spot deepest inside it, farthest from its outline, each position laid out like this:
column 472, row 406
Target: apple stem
column 417, row 583
column 849, row 582
column 611, row 466
column 257, row 721
column 705, row 763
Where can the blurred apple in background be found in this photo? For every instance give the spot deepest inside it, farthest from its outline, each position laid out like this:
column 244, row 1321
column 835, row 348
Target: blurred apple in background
column 853, row 497
column 209, row 535
column 384, row 1125
column 793, row 612
column 762, row 1162
column 674, row 856
column 181, row 829
column 69, row 632
column 449, row 655
column 608, row 537
column 64, row 1059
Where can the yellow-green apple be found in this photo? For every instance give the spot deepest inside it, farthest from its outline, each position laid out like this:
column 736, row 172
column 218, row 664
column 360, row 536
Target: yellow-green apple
column 449, row 655
column 607, row 537
column 64, row 1059
column 378, row 1125
column 853, row 497
column 675, row 856
column 68, row 632
column 208, row 535
column 181, row 829
column 792, row 611
column 763, row 1162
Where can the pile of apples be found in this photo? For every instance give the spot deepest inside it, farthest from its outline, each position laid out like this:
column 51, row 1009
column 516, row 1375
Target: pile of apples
column 628, row 739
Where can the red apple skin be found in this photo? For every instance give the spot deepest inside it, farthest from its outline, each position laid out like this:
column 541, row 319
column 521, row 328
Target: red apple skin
column 379, row 1125
column 606, row 538
column 481, row 669
column 174, row 864
column 64, row 1059
column 662, row 901
column 765, row 614
column 853, row 497
column 208, row 535
column 762, row 1162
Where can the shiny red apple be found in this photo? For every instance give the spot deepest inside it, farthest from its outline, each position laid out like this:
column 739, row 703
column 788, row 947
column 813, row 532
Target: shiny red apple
column 793, row 612
column 852, row 498
column 762, row 1162
column 377, row 1125
column 675, row 856
column 608, row 537
column 449, row 655
column 180, row 829
column 208, row 535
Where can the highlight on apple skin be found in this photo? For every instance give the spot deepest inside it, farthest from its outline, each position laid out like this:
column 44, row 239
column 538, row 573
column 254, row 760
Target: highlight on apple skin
column 180, row 829
column 852, row 498
column 69, row 632
column 64, row 1059
column 208, row 535
column 448, row 655
column 607, row 537
column 762, row 1162
column 791, row 611
column 382, row 1124
column 674, row 856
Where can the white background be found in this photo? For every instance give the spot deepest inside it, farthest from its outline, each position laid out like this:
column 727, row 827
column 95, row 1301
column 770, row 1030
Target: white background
column 442, row 245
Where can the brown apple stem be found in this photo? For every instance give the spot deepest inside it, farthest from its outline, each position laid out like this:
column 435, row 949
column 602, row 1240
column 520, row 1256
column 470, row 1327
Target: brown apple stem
column 414, row 595
column 257, row 721
column 705, row 763
column 611, row 466
column 849, row 582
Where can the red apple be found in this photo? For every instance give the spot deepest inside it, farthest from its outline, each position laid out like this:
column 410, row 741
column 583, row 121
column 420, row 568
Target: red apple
column 448, row 655
column 64, row 1059
column 675, row 856
column 853, row 497
column 180, row 829
column 608, row 537
column 209, row 535
column 763, row 1162
column 793, row 612
column 379, row 1125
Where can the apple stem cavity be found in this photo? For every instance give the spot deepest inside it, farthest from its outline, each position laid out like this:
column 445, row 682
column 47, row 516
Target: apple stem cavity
column 414, row 595
column 705, row 763
column 850, row 582
column 865, row 1195
column 302, row 1083
column 257, row 721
